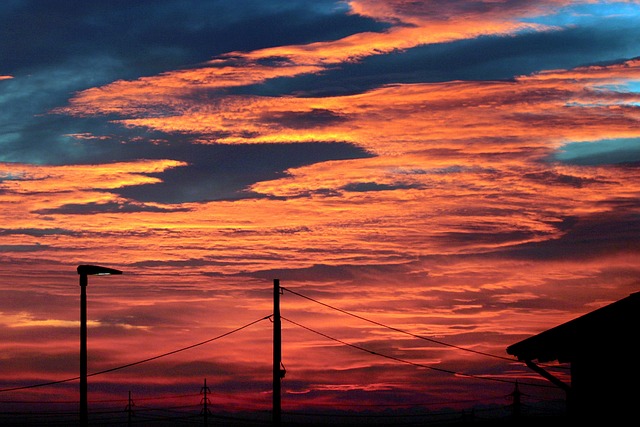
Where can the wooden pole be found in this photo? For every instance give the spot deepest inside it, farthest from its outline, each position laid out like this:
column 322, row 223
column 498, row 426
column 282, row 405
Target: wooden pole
column 277, row 353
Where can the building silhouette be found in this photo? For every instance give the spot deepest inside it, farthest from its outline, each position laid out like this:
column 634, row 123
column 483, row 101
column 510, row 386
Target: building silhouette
column 601, row 348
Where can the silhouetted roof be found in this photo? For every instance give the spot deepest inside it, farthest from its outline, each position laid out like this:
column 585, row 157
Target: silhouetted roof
column 608, row 328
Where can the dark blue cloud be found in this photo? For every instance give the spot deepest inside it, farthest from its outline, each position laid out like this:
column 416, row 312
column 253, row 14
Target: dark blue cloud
column 304, row 120
column 218, row 172
column 97, row 208
column 53, row 49
column 151, row 36
column 588, row 237
column 374, row 186
column 24, row 248
column 609, row 151
column 37, row 232
column 552, row 178
column 482, row 58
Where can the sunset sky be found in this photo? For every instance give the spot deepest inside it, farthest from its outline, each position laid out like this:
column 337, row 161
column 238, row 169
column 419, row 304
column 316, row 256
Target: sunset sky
column 431, row 181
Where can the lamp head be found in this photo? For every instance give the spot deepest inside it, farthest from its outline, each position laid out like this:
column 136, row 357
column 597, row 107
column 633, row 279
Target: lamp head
column 96, row 270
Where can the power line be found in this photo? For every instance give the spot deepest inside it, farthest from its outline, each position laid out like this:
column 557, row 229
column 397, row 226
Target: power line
column 397, row 359
column 407, row 404
column 122, row 400
column 140, row 361
column 397, row 329
column 181, row 349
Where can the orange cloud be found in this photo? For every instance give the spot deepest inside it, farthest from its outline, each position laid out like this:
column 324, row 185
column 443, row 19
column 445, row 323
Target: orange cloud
column 544, row 109
column 150, row 95
column 33, row 179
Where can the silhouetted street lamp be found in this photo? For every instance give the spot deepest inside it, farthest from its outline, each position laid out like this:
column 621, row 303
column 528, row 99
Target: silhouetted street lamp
column 84, row 271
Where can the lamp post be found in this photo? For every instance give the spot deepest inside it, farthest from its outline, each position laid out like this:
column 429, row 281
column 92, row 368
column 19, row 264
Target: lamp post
column 84, row 271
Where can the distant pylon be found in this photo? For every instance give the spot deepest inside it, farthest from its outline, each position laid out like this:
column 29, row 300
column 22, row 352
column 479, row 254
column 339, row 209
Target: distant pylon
column 129, row 410
column 205, row 403
column 516, row 401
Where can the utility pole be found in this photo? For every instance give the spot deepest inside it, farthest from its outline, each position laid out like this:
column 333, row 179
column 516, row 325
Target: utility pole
column 129, row 410
column 277, row 353
column 516, row 402
column 84, row 408
column 205, row 403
